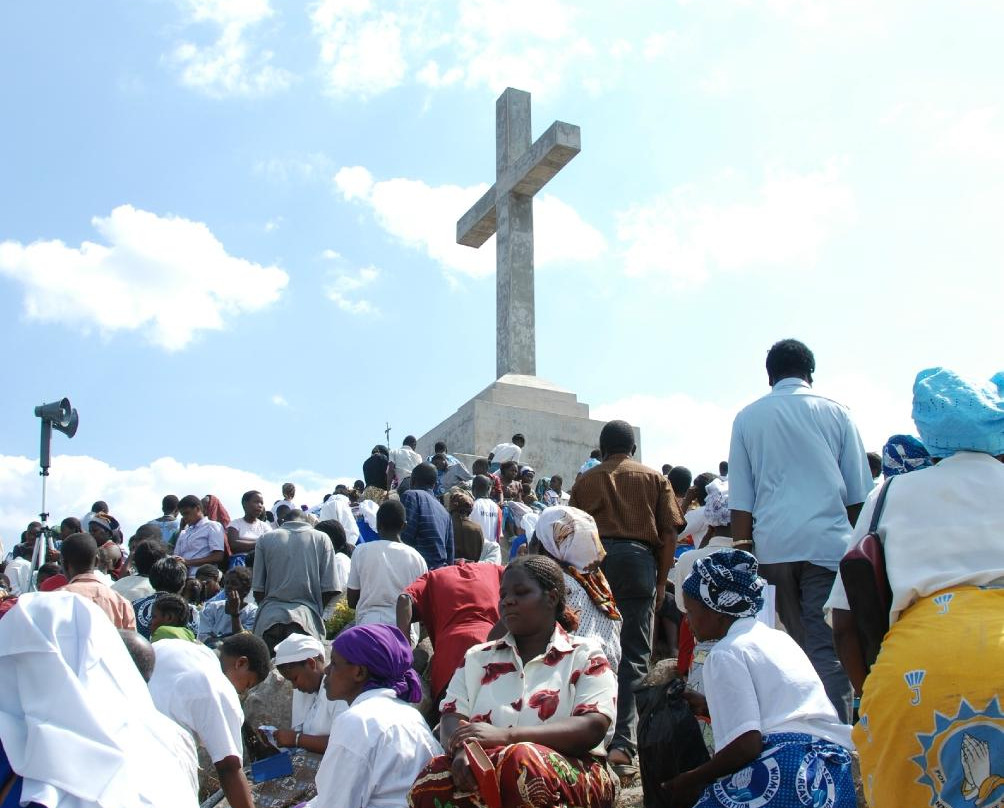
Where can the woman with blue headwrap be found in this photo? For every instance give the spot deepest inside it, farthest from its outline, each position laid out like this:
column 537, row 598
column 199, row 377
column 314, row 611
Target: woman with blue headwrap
column 931, row 728
column 778, row 740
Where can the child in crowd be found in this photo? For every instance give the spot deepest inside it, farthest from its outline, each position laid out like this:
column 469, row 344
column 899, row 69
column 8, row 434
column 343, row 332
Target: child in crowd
column 776, row 733
column 381, row 570
column 232, row 614
column 211, row 578
column 169, row 619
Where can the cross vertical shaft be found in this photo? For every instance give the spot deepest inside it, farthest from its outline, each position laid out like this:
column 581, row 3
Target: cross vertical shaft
column 514, row 323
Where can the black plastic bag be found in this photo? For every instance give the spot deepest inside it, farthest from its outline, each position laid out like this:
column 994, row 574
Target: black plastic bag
column 669, row 739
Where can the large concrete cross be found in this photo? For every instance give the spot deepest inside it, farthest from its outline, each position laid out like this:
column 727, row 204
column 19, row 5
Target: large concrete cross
column 506, row 209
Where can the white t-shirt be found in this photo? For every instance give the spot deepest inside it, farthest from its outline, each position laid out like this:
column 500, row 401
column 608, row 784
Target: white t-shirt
column 757, row 678
column 941, row 527
column 505, row 452
column 188, row 686
column 18, row 573
column 381, row 570
column 696, row 526
column 486, row 513
column 375, row 752
column 314, row 713
column 404, row 459
column 491, row 552
column 250, row 531
column 342, row 566
column 338, row 508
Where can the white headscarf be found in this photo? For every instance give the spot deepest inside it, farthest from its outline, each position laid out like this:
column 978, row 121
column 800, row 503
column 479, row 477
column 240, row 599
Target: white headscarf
column 570, row 536
column 76, row 718
column 298, row 648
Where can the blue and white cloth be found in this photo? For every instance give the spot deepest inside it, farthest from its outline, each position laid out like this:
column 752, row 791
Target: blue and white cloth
column 794, row 770
column 903, row 453
column 727, row 582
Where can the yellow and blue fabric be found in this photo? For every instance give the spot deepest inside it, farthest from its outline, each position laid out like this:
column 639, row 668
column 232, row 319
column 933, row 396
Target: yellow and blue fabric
column 794, row 770
column 727, row 582
column 931, row 729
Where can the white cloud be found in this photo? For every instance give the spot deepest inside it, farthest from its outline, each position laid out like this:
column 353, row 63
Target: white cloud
column 279, row 401
column 231, row 64
column 424, row 217
column 165, row 276
column 301, row 168
column 133, row 495
column 343, row 285
column 686, row 235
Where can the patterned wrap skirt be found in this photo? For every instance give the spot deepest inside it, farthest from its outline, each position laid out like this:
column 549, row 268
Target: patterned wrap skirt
column 529, row 775
column 931, row 728
column 793, row 771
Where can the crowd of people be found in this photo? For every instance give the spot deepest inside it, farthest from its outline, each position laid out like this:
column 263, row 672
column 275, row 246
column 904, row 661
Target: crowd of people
column 541, row 608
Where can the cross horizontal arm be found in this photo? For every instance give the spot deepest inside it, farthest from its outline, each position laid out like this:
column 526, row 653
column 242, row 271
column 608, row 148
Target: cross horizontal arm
column 478, row 225
column 551, row 152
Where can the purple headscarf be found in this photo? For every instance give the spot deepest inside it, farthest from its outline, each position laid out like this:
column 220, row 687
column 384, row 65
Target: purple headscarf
column 387, row 656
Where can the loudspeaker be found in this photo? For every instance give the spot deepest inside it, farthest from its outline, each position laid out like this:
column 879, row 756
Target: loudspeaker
column 61, row 415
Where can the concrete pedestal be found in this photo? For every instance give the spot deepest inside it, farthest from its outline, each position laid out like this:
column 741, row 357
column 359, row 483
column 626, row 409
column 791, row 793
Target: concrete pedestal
column 559, row 432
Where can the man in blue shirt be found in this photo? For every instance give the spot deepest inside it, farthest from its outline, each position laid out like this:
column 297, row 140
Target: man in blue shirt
column 798, row 474
column 429, row 528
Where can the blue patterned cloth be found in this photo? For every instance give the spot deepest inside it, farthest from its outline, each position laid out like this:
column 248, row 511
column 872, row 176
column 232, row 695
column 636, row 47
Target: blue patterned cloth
column 954, row 414
column 903, row 453
column 726, row 581
column 793, row 771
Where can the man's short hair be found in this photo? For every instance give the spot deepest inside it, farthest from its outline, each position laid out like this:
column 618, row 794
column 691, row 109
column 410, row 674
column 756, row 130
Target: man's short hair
column 242, row 574
column 701, row 483
column 100, row 506
column 174, row 609
column 518, row 437
column 481, row 486
column 72, row 524
column 410, row 441
column 146, row 554
column 723, row 468
column 250, row 646
column 189, row 501
column 875, row 463
column 390, row 516
column 168, row 575
column 210, row 572
column 79, row 551
column 47, row 570
column 790, row 358
column 480, row 463
column 509, row 464
column 169, row 504
column 424, row 475
column 680, row 479
column 616, row 437
column 440, row 447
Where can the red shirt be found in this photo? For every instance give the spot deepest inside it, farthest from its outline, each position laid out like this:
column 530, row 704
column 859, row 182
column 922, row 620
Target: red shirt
column 459, row 605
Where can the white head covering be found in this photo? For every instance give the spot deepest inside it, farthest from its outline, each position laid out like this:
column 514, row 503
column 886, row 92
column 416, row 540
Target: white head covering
column 298, row 648
column 100, row 742
column 368, row 508
column 529, row 524
column 716, row 504
column 570, row 536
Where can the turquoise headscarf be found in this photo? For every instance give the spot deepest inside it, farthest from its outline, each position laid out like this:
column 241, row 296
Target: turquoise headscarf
column 954, row 414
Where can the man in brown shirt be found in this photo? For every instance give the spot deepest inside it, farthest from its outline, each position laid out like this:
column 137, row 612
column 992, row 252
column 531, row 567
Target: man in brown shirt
column 79, row 552
column 637, row 517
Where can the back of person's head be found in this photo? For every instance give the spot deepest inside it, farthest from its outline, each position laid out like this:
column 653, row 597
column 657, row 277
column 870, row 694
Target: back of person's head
column 169, row 504
column 47, row 570
column 173, row 610
column 291, row 515
column 288, row 490
column 359, row 486
column 875, row 463
column 147, row 532
column 701, row 483
column 239, row 578
column 333, row 529
column 790, row 359
column 70, row 525
column 519, row 440
column 141, row 651
column 480, row 466
column 424, row 476
column 146, row 554
column 666, row 468
column 596, row 454
column 380, row 449
column 251, row 647
column 282, row 513
column 481, row 486
column 208, row 572
column 680, row 479
column 168, row 575
column 80, row 552
column 440, row 447
column 390, row 517
column 723, row 467
column 616, row 437
column 100, row 507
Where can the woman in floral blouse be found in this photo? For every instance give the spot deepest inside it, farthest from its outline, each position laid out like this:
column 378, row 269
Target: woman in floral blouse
column 540, row 701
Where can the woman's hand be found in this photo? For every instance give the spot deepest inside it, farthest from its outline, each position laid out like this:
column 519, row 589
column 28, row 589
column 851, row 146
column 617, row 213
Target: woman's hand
column 485, row 734
column 686, row 789
column 284, row 737
column 463, row 777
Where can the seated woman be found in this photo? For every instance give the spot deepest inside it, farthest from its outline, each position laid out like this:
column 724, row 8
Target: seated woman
column 539, row 701
column 300, row 659
column 380, row 743
column 570, row 537
column 169, row 619
column 778, row 741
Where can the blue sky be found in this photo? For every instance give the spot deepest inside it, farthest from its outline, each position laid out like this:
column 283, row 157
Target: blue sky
column 226, row 226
